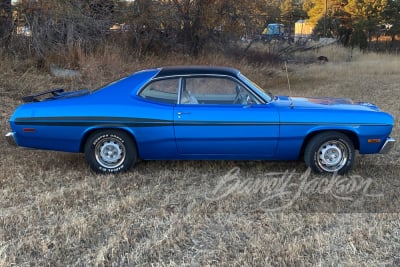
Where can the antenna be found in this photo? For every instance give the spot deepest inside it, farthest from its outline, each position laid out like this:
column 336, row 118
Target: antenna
column 288, row 81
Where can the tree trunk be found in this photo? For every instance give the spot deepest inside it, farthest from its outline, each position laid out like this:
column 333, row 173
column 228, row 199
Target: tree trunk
column 5, row 22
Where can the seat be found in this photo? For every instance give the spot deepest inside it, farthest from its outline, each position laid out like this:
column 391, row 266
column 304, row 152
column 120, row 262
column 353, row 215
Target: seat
column 188, row 98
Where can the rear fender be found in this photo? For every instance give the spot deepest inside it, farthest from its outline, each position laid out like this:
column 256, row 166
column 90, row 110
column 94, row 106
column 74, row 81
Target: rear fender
column 92, row 130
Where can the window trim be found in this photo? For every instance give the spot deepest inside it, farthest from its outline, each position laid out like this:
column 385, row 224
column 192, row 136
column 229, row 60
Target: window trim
column 234, row 79
column 181, row 82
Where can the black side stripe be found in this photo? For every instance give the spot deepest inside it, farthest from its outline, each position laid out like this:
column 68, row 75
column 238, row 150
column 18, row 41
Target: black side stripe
column 92, row 121
column 145, row 122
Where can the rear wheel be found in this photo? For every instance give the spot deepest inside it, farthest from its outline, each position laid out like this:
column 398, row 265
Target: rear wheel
column 329, row 152
column 110, row 151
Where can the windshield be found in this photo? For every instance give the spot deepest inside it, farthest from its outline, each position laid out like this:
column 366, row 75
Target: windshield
column 267, row 96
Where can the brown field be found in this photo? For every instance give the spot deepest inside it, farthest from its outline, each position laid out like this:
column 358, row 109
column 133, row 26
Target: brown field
column 54, row 211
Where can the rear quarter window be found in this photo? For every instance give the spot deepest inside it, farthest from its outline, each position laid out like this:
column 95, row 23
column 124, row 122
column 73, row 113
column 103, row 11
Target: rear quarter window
column 163, row 91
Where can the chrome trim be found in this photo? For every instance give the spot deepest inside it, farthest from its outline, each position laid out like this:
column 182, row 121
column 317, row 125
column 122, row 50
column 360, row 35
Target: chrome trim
column 247, row 87
column 389, row 144
column 10, row 138
column 180, row 85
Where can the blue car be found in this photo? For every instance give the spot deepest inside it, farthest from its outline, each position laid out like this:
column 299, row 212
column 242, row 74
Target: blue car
column 199, row 113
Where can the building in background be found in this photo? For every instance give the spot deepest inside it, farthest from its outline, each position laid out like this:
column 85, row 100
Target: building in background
column 303, row 30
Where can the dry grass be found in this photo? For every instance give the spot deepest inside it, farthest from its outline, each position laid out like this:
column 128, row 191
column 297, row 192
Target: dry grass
column 54, row 211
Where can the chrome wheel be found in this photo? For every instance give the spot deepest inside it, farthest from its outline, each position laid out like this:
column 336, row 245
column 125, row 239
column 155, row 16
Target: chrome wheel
column 332, row 156
column 110, row 153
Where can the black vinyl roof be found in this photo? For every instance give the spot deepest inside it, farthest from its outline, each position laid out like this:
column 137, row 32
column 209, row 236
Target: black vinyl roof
column 196, row 70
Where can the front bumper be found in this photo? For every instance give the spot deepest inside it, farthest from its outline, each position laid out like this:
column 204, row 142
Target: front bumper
column 389, row 144
column 10, row 138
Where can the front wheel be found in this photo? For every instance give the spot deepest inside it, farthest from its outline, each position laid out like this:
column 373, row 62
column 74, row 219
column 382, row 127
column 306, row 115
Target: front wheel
column 110, row 151
column 329, row 152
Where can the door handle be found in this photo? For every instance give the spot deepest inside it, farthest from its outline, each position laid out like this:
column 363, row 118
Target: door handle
column 181, row 113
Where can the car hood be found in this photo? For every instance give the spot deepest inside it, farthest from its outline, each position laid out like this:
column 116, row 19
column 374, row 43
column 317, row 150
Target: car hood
column 327, row 103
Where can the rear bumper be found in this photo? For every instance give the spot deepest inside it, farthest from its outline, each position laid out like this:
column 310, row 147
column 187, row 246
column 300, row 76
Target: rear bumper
column 10, row 138
column 389, row 144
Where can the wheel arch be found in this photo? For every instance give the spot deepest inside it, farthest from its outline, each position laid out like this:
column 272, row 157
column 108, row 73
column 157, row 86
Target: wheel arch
column 350, row 134
column 88, row 133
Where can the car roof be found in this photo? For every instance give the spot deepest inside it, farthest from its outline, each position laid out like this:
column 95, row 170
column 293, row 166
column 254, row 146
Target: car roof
column 196, row 70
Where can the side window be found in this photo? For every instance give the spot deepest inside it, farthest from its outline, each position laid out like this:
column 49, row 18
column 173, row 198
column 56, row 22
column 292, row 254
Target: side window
column 165, row 91
column 214, row 90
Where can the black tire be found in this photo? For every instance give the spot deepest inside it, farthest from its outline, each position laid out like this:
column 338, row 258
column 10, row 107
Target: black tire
column 110, row 151
column 329, row 152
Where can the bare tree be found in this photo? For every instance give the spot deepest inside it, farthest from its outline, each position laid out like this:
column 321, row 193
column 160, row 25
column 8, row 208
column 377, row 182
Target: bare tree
column 64, row 24
column 5, row 22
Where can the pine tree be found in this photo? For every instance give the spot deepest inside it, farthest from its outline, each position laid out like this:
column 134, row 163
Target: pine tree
column 391, row 16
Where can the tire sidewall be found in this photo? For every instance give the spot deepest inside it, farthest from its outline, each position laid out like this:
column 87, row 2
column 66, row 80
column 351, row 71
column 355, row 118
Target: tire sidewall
column 311, row 156
column 100, row 136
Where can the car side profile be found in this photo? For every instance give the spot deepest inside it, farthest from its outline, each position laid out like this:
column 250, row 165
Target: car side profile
column 199, row 113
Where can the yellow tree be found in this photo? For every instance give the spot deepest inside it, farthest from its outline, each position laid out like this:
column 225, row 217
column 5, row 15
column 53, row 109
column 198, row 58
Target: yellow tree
column 366, row 15
column 328, row 16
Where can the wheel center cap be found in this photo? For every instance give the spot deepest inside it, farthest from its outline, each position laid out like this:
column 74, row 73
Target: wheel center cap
column 331, row 155
column 111, row 152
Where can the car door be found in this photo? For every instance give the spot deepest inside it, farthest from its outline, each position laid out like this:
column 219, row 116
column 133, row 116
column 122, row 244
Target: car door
column 155, row 129
column 219, row 117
